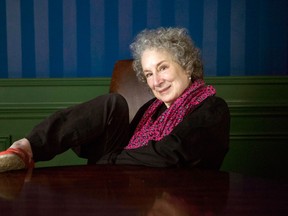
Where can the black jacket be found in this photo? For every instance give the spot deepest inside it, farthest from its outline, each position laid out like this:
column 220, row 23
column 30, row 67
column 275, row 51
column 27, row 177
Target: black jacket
column 200, row 140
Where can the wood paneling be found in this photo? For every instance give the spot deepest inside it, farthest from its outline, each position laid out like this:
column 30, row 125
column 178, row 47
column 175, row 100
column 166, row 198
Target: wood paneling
column 258, row 106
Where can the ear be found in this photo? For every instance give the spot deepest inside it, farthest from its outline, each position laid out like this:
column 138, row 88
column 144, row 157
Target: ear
column 188, row 73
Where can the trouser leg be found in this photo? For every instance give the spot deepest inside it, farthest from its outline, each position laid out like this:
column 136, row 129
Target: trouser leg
column 95, row 128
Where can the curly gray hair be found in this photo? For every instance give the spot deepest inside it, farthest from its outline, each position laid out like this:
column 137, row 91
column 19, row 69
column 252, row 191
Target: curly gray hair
column 175, row 41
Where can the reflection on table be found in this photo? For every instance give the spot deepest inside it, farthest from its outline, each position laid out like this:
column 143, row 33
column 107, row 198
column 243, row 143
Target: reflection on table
column 134, row 190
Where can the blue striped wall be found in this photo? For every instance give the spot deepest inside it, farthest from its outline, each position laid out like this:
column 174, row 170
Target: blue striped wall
column 83, row 38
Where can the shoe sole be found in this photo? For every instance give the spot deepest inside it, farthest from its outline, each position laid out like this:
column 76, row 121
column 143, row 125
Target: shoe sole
column 10, row 162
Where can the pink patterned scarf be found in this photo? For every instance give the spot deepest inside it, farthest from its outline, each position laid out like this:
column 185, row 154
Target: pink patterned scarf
column 149, row 129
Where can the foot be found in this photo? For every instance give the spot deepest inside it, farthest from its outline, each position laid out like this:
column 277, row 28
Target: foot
column 18, row 156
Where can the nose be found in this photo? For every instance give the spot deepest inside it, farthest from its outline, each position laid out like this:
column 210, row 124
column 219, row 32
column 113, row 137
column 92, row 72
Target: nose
column 157, row 80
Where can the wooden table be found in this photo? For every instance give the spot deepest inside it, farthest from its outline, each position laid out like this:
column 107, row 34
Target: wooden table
column 132, row 190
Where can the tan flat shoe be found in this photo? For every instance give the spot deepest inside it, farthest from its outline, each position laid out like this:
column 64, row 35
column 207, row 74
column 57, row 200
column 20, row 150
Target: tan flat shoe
column 14, row 159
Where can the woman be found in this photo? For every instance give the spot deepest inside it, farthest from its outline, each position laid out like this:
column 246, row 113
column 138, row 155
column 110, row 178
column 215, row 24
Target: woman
column 184, row 125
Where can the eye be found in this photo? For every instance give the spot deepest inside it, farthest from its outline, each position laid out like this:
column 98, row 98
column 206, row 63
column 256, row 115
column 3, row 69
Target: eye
column 147, row 75
column 163, row 67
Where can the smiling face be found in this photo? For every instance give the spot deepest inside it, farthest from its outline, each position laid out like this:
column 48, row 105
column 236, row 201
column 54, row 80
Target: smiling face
column 165, row 77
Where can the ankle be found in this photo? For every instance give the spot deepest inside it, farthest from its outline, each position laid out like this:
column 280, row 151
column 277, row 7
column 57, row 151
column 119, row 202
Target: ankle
column 25, row 145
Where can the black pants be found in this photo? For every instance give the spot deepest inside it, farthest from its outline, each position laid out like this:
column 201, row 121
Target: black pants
column 92, row 129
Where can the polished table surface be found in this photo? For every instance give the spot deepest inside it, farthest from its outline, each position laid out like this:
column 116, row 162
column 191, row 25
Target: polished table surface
column 133, row 190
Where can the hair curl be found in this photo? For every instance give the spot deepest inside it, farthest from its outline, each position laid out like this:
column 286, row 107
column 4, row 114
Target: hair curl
column 175, row 41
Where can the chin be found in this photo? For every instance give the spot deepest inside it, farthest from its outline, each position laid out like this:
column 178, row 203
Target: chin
column 166, row 99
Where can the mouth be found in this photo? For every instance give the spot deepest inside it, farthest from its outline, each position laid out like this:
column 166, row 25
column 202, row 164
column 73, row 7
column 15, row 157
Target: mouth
column 163, row 90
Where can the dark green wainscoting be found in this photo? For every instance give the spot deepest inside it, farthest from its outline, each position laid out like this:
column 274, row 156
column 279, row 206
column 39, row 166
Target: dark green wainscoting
column 258, row 105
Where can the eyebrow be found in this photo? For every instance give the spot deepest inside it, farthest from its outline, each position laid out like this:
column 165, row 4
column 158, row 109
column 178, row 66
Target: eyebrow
column 157, row 65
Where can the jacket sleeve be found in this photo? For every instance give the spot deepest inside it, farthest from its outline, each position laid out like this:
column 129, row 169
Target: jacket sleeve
column 200, row 140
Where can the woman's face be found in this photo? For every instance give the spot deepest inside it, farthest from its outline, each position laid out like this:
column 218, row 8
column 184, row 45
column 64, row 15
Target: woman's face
column 166, row 78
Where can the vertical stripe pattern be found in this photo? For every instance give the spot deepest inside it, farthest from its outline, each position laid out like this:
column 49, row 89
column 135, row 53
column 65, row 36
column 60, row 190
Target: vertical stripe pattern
column 3, row 41
column 55, row 13
column 84, row 38
column 13, row 28
column 70, row 35
column 42, row 62
column 237, row 38
column 209, row 46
